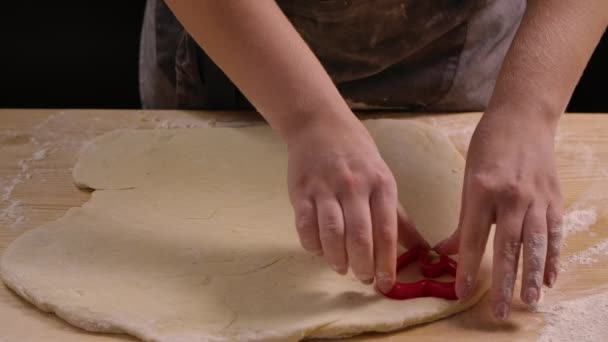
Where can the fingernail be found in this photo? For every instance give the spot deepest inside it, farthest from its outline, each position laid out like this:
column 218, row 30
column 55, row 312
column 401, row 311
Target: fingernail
column 338, row 269
column 531, row 296
column 367, row 281
column 463, row 289
column 383, row 280
column 502, row 311
column 552, row 277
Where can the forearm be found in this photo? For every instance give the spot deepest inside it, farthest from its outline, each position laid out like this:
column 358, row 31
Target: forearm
column 261, row 52
column 547, row 57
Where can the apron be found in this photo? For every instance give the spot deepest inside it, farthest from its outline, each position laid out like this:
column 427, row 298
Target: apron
column 412, row 55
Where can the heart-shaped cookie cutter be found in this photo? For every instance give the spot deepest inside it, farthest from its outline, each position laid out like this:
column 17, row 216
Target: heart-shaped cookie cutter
column 425, row 287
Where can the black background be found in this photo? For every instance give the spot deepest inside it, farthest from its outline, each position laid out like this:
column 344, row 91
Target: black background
column 68, row 54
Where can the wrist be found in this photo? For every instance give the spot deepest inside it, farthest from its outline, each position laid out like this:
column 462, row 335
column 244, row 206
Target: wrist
column 301, row 123
column 534, row 114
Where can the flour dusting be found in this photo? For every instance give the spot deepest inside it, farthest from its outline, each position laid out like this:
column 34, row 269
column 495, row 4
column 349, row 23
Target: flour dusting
column 12, row 215
column 180, row 123
column 579, row 220
column 589, row 255
column 578, row 320
column 576, row 221
column 39, row 155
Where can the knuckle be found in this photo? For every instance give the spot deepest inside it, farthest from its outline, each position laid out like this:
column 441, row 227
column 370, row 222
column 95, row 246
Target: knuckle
column 385, row 235
column 555, row 185
column 554, row 222
column 553, row 260
column 553, row 252
column 535, row 257
column 297, row 180
column 306, row 190
column 348, row 180
column 471, row 243
column 555, row 234
column 535, row 264
column 554, row 247
column 483, row 182
column 331, row 229
column 554, row 265
column 554, row 229
column 509, row 190
column 385, row 179
column 513, row 191
column 537, row 241
column 305, row 222
column 510, row 250
column 511, row 230
column 297, row 196
column 358, row 238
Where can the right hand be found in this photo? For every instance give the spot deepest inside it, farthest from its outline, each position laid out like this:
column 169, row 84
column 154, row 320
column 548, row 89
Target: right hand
column 345, row 200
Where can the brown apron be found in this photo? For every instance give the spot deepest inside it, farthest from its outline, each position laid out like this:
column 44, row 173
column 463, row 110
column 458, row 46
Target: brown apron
column 441, row 55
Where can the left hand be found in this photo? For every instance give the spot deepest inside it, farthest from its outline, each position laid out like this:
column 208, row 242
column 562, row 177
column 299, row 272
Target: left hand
column 511, row 180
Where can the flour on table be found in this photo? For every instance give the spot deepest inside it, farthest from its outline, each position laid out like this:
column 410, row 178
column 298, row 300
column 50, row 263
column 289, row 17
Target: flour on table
column 12, row 214
column 576, row 221
column 40, row 154
column 194, row 122
column 589, row 255
column 578, row 320
column 180, row 123
column 579, row 220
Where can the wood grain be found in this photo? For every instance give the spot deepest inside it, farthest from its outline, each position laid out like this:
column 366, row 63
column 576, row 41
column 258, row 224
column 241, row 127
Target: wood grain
column 38, row 148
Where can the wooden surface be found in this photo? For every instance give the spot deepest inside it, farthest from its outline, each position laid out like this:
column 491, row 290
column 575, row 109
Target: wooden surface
column 38, row 149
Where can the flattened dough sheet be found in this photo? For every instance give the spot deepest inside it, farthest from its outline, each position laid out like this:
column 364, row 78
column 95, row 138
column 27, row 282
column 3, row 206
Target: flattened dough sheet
column 189, row 236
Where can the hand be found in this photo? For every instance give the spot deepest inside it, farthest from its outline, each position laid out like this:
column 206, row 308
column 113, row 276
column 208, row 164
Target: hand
column 510, row 180
column 345, row 200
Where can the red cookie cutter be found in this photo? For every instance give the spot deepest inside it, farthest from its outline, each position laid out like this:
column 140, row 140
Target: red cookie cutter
column 425, row 287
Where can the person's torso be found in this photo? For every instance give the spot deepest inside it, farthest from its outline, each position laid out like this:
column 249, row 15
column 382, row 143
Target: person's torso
column 409, row 55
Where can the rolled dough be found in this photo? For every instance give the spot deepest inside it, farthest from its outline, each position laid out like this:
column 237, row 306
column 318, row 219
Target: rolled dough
column 189, row 236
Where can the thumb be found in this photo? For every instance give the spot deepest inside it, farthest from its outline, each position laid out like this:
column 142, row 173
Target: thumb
column 450, row 245
column 408, row 235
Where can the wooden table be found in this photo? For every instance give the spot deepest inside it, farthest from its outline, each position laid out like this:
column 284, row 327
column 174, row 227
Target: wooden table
column 38, row 149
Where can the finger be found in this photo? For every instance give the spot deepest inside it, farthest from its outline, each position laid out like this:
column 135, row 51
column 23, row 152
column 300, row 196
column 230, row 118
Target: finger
column 554, row 245
column 408, row 234
column 507, row 244
column 474, row 233
column 535, row 252
column 307, row 227
column 384, row 228
column 359, row 240
column 331, row 233
column 450, row 245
